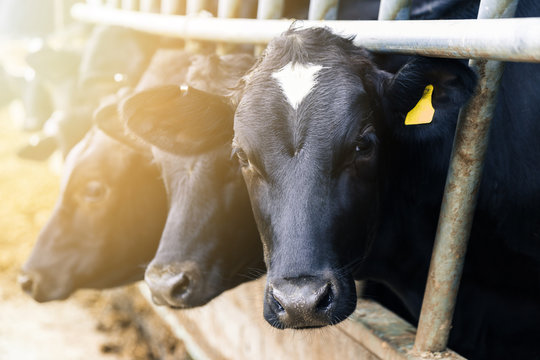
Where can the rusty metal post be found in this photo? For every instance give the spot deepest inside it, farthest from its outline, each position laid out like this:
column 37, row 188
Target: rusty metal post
column 227, row 9
column 394, row 9
column 460, row 197
column 268, row 9
column 323, row 9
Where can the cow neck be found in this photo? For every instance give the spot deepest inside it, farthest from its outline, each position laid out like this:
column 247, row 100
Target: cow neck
column 412, row 178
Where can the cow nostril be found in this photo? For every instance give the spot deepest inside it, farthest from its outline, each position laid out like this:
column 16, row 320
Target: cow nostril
column 325, row 298
column 277, row 304
column 181, row 287
column 26, row 283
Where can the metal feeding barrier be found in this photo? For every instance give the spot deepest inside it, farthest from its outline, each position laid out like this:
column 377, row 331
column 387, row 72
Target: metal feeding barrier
column 488, row 40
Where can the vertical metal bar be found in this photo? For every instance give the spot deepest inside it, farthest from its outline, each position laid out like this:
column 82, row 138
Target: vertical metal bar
column 59, row 20
column 172, row 7
column 113, row 4
column 394, row 9
column 227, row 9
column 151, row 6
column 193, row 8
column 132, row 5
column 323, row 9
column 95, row 2
column 268, row 9
column 460, row 196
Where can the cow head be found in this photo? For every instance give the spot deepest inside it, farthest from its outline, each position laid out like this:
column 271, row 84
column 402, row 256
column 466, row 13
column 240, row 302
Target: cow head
column 311, row 128
column 106, row 224
column 313, row 120
column 210, row 241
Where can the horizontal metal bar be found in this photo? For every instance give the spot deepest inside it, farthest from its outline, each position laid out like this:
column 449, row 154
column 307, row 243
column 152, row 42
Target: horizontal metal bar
column 496, row 39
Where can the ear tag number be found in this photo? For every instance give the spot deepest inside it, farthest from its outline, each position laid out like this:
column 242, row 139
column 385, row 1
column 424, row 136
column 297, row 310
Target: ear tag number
column 423, row 112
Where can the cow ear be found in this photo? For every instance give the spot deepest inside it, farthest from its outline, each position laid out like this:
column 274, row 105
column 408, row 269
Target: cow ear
column 107, row 119
column 422, row 100
column 54, row 65
column 180, row 120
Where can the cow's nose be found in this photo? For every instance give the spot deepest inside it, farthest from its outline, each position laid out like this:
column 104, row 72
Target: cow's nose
column 27, row 283
column 181, row 286
column 301, row 302
column 172, row 289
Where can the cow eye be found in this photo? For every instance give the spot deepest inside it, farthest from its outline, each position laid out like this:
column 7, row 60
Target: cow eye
column 241, row 155
column 365, row 144
column 94, row 191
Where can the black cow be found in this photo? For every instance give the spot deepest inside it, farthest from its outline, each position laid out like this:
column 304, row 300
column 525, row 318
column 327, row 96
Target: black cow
column 341, row 188
column 106, row 224
column 210, row 241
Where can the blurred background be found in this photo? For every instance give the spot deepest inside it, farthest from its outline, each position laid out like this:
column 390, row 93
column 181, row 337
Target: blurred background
column 111, row 324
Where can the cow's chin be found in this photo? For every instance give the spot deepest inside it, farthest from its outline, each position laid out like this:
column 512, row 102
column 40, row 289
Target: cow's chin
column 43, row 295
column 44, row 288
column 42, row 298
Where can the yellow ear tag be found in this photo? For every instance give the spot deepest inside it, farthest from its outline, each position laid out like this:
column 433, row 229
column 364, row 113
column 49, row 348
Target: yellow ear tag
column 423, row 112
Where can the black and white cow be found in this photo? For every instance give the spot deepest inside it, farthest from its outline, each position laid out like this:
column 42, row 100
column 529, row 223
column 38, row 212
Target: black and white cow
column 105, row 226
column 311, row 163
column 210, row 241
column 342, row 188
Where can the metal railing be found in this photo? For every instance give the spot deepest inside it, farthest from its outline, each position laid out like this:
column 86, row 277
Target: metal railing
column 487, row 40
column 493, row 39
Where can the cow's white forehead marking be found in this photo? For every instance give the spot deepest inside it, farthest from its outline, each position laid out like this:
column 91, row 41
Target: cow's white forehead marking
column 297, row 81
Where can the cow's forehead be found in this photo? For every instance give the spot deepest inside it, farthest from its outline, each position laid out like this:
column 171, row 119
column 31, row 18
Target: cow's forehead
column 308, row 85
column 296, row 81
column 190, row 174
column 298, row 100
column 97, row 156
